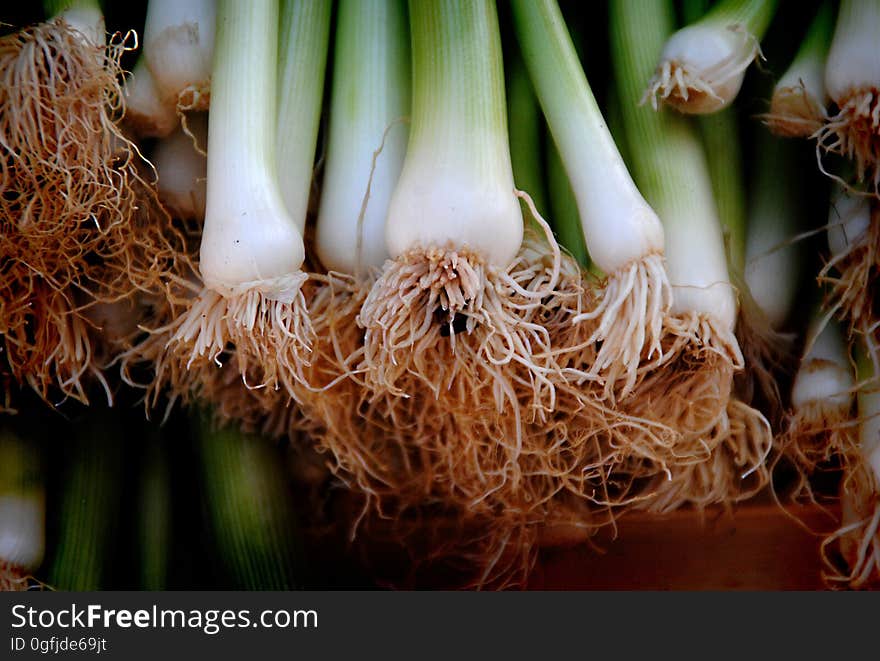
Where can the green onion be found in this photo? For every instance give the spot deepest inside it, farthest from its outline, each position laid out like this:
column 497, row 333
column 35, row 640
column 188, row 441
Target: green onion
column 252, row 248
column 155, row 515
column 250, row 509
column 454, row 224
column 456, row 187
column 850, row 273
column 820, row 425
column 636, row 295
column 670, row 166
column 701, row 67
column 797, row 108
column 775, row 218
column 852, row 78
column 726, row 441
column 859, row 533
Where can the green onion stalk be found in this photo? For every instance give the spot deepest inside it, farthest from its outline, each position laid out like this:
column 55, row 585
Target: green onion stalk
column 250, row 509
column 88, row 507
column 251, row 313
column 74, row 188
column 856, row 563
column 719, row 441
column 22, row 509
column 701, row 67
column 798, row 107
column 155, row 515
column 526, row 128
column 563, row 206
column 852, row 79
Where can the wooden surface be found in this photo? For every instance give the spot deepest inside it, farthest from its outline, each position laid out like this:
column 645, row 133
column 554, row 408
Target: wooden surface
column 757, row 547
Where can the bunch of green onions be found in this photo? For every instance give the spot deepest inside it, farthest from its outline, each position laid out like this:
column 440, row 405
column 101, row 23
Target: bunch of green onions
column 447, row 278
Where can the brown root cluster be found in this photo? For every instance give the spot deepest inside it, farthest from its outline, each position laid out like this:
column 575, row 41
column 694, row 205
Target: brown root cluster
column 851, row 554
column 816, row 438
column 12, row 578
column 268, row 339
column 851, row 278
column 67, row 169
column 465, row 441
column 794, row 113
column 629, row 316
column 735, row 470
column 854, row 133
column 768, row 361
column 682, row 396
column 80, row 220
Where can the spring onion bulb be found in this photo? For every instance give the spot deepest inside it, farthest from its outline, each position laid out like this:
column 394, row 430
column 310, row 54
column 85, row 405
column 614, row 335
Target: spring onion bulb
column 454, row 224
column 182, row 172
column 798, row 107
column 636, row 293
column 822, row 396
column 702, row 66
column 251, row 248
column 852, row 78
column 148, row 115
column 851, row 273
column 179, row 49
column 858, row 537
column 22, row 510
column 250, row 509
